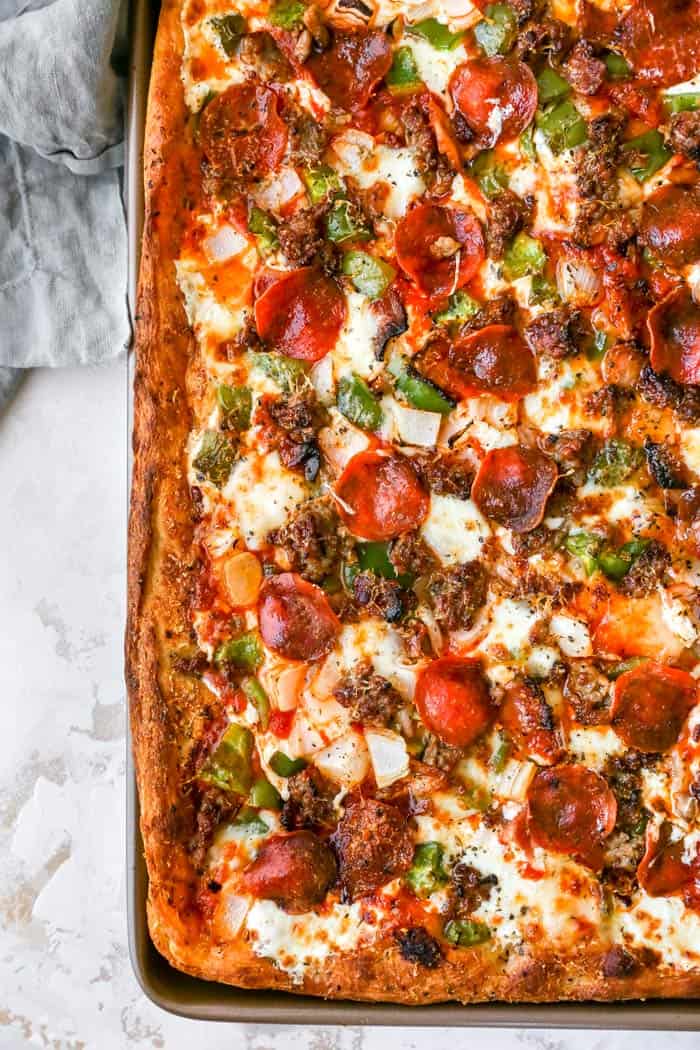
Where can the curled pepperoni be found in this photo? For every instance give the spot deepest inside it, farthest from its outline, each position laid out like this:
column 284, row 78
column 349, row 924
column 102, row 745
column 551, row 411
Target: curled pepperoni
column 241, row 133
column 571, row 809
column 650, row 705
column 440, row 248
column 527, row 718
column 496, row 97
column 661, row 40
column 373, row 843
column 352, row 66
column 295, row 871
column 513, row 486
column 666, row 870
column 301, row 314
column 495, row 360
column 452, row 697
column 295, row 618
column 379, row 497
column 670, row 226
column 674, row 328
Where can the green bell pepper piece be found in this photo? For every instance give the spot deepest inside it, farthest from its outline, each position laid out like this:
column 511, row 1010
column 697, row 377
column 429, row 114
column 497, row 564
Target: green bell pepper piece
column 618, row 68
column 427, row 874
column 437, row 34
column 229, row 766
column 527, row 144
column 259, row 699
column 496, row 32
column 321, row 183
column 264, row 795
column 615, row 462
column 358, row 404
column 235, row 406
column 621, row 667
column 244, row 651
column 284, row 766
column 288, row 14
column 562, row 125
column 423, row 395
column 542, row 291
column 649, row 154
column 585, row 546
column 616, row 564
column 460, row 307
column 551, row 87
column 251, row 820
column 403, row 75
column 466, row 933
column 524, row 255
column 491, row 176
column 287, row 372
column 229, row 29
column 215, row 457
column 371, row 276
column 498, row 759
column 260, row 224
column 682, row 103
column 374, row 556
column 343, row 223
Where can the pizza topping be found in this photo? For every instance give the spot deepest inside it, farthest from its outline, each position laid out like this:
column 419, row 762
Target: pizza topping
column 457, row 594
column 527, row 718
column 556, row 333
column 452, row 697
column 418, row 946
column 650, row 706
column 660, row 40
column 295, row 871
column 381, row 496
column 674, row 327
column 670, row 226
column 368, row 697
column 349, row 70
column 513, row 485
column 496, row 97
column 309, row 800
column 301, row 314
column 295, row 618
column 670, row 869
column 439, row 247
column 684, row 134
column 494, row 360
column 241, row 132
column 571, row 809
column 373, row 844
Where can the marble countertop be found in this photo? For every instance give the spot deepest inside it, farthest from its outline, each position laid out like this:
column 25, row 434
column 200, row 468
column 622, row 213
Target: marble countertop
column 65, row 977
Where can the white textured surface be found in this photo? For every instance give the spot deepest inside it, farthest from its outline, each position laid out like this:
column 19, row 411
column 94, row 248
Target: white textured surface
column 65, row 977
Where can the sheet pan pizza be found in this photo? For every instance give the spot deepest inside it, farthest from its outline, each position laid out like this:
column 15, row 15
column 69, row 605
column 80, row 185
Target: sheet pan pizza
column 415, row 534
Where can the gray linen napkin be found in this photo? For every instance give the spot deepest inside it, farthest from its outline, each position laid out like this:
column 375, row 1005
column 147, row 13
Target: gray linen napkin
column 62, row 229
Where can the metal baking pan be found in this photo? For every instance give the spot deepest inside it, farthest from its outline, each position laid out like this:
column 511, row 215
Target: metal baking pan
column 205, row 1000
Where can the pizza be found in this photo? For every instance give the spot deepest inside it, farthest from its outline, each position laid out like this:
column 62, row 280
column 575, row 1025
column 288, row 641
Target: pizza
column 414, row 601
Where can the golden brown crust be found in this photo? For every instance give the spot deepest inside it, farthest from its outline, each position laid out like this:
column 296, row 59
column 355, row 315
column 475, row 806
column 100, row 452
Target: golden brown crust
column 163, row 706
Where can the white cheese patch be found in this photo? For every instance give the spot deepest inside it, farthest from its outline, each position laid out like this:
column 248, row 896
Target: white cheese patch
column 435, row 67
column 558, row 402
column 512, row 621
column 206, row 315
column 356, row 154
column 675, row 615
column 571, row 635
column 593, row 745
column 456, row 13
column 263, row 495
column 663, row 923
column 382, row 646
column 690, row 448
column 455, row 529
column 354, row 350
column 627, row 505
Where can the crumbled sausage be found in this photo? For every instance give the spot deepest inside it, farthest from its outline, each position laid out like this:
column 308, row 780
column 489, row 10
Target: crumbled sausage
column 684, row 134
column 368, row 697
column 596, row 177
column 588, row 692
column 470, row 887
column 314, row 540
column 441, row 755
column 647, row 571
column 307, row 137
column 548, row 36
column 445, row 475
column 570, row 449
column 507, row 214
column 260, row 51
column 300, row 236
column 416, row 945
column 624, row 774
column 416, row 638
column 430, row 163
column 381, row 597
column 411, row 554
column 373, row 844
column 663, row 392
column 556, row 333
column 294, row 420
column 663, row 465
column 212, row 808
column 583, row 70
column 245, row 340
column 501, row 310
column 310, row 800
column 457, row 594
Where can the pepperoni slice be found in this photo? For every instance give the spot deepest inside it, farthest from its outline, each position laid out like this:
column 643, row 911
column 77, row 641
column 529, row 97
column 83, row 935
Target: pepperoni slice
column 440, row 248
column 295, row 871
column 295, row 618
column 661, row 40
column 495, row 360
column 349, row 70
column 666, row 871
column 241, row 132
column 527, row 718
column 496, row 97
column 379, row 497
column 571, row 809
column 670, row 226
column 650, row 705
column 301, row 314
column 513, row 485
column 674, row 328
column 452, row 697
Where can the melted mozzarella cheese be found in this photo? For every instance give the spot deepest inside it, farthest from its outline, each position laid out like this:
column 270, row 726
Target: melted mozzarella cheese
column 382, row 646
column 593, row 745
column 263, row 495
column 435, row 67
column 663, row 923
column 455, row 529
column 571, row 635
column 512, row 621
column 206, row 315
column 356, row 154
column 558, row 403
column 690, row 448
column 354, row 350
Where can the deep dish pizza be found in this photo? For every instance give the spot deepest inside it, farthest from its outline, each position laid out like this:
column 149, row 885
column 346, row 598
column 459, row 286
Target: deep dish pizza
column 415, row 537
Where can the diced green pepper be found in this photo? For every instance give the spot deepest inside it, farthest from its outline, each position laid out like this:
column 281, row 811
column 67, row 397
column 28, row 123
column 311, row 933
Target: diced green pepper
column 344, row 223
column 264, row 795
column 524, row 255
column 616, row 564
column 585, row 546
column 491, row 176
column 284, row 766
column 465, row 933
column 460, row 307
column 375, row 557
column 563, row 126
column 682, row 103
column 527, row 144
column 287, row 14
column 251, row 820
column 542, row 291
column 403, row 75
column 321, row 183
column 648, row 153
column 370, row 275
column 615, row 462
column 235, row 406
column 618, row 68
column 287, row 372
column 500, row 754
column 427, row 874
column 437, row 34
column 496, row 32
column 244, row 651
column 229, row 766
column 230, row 29
column 349, row 572
column 215, row 457
column 358, row 404
column 601, row 341
column 615, row 670
column 260, row 223
column 551, row 87
column 259, row 699
column 423, row 395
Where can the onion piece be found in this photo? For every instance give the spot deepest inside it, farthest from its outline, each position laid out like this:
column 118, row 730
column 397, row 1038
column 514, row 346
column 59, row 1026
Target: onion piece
column 288, row 686
column 237, row 909
column 388, row 754
column 242, row 578
column 323, row 380
column 279, row 190
column 577, row 282
column 224, row 244
column 415, row 426
column 345, row 761
column 341, row 441
column 515, row 779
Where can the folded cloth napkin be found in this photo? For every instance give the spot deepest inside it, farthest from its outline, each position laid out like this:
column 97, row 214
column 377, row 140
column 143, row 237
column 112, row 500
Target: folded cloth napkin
column 62, row 228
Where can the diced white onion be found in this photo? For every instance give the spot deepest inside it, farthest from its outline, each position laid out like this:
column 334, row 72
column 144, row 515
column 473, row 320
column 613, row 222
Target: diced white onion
column 341, row 441
column 225, row 243
column 416, row 427
column 236, row 910
column 279, row 190
column 288, row 686
column 571, row 635
column 515, row 779
column 388, row 754
column 352, row 146
column 577, row 282
column 322, row 378
column 345, row 761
